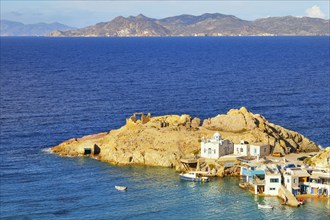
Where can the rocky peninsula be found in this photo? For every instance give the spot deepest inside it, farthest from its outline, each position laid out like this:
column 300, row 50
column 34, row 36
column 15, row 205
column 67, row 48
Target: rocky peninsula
column 165, row 140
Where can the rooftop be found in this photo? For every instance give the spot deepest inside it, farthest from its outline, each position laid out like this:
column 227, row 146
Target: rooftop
column 297, row 172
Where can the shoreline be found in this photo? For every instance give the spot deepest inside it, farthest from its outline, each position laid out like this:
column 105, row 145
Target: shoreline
column 310, row 196
column 301, row 196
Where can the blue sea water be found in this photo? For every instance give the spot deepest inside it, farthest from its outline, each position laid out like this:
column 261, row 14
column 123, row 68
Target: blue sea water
column 53, row 89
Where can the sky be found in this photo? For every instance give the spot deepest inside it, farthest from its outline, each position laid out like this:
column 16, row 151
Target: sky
column 84, row 13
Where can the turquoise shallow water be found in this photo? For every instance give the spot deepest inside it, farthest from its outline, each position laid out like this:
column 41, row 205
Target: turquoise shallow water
column 53, row 89
column 82, row 187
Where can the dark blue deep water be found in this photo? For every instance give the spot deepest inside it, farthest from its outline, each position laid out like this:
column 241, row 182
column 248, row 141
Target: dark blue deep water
column 53, row 89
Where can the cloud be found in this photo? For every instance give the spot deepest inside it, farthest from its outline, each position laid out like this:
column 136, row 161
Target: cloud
column 315, row 12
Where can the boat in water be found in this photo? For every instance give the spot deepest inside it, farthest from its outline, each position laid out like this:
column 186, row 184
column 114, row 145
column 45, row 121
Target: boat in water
column 265, row 206
column 243, row 185
column 121, row 188
column 194, row 176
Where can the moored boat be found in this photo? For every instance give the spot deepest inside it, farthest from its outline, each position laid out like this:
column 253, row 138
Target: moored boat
column 265, row 206
column 121, row 188
column 194, row 176
column 242, row 185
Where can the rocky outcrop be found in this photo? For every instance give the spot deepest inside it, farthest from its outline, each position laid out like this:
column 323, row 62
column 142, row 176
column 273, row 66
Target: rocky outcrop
column 160, row 142
column 164, row 140
column 322, row 159
column 240, row 124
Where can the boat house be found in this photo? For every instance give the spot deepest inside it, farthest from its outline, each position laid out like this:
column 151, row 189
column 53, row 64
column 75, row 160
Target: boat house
column 254, row 175
column 273, row 179
column 263, row 179
column 294, row 179
column 318, row 184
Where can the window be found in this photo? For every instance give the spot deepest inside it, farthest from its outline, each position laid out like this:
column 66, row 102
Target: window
column 274, row 180
column 241, row 149
column 288, row 180
column 214, row 151
column 294, row 180
column 204, row 150
column 271, row 188
column 210, row 151
column 264, row 150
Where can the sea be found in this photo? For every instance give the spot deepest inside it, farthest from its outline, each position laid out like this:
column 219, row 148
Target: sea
column 54, row 89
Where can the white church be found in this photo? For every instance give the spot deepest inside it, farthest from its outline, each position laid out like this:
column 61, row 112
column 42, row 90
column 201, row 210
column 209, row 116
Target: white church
column 216, row 147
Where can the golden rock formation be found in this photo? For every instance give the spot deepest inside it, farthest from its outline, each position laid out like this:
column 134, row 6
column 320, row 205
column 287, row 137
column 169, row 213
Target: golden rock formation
column 164, row 140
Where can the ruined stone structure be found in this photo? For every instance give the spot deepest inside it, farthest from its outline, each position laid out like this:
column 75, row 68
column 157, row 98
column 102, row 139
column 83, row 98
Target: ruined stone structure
column 133, row 120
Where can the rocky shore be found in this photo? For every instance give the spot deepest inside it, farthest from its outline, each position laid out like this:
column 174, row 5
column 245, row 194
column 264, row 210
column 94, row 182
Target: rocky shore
column 165, row 140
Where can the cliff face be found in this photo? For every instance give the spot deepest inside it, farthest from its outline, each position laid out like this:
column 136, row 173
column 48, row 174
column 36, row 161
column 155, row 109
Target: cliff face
column 164, row 140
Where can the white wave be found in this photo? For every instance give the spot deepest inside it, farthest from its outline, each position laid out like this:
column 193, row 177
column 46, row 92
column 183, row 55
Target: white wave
column 47, row 150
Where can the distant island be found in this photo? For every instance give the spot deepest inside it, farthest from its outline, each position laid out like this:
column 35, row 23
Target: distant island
column 204, row 25
column 13, row 28
column 208, row 24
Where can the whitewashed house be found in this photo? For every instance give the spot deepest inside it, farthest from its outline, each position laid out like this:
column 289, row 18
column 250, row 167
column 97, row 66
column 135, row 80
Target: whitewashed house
column 246, row 149
column 294, row 178
column 272, row 180
column 318, row 184
column 242, row 148
column 260, row 150
column 216, row 147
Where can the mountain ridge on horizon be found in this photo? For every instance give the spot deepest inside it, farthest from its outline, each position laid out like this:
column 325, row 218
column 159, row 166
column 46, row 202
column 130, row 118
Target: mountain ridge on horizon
column 15, row 28
column 207, row 24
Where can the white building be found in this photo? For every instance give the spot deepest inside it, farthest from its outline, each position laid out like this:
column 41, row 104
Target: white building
column 242, row 149
column 272, row 180
column 319, row 183
column 216, row 147
column 294, row 178
column 246, row 149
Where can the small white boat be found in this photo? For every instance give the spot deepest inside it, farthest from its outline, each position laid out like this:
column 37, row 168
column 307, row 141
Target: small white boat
column 265, row 206
column 121, row 188
column 194, row 176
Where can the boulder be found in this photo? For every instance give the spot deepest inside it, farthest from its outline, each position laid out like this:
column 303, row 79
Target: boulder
column 195, row 123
